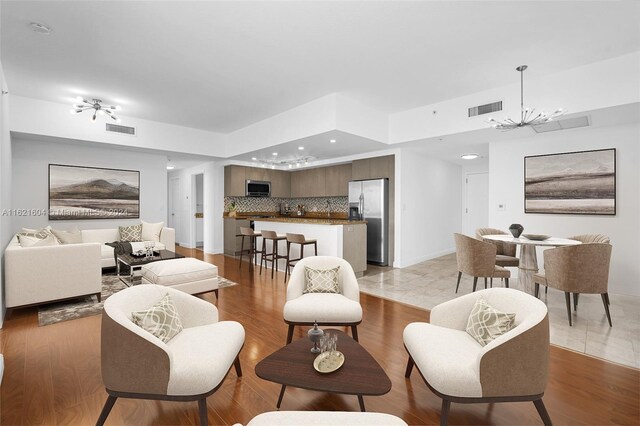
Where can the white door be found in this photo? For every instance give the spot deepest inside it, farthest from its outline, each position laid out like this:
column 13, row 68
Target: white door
column 174, row 205
column 476, row 214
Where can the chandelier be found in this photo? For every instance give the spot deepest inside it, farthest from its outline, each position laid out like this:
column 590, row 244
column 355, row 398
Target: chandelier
column 97, row 107
column 528, row 117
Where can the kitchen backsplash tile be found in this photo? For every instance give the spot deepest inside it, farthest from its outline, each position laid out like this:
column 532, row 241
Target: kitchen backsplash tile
column 271, row 204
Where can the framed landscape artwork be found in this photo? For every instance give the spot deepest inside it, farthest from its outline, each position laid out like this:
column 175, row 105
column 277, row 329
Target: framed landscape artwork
column 571, row 183
column 93, row 193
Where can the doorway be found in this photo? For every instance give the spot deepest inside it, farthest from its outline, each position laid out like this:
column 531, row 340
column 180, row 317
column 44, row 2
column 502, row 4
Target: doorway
column 174, row 206
column 199, row 211
column 476, row 209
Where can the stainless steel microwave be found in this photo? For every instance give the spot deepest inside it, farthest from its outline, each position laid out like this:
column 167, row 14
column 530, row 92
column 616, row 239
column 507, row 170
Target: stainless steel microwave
column 257, row 188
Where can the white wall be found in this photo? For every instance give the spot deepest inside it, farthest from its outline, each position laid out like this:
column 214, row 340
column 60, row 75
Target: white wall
column 31, row 161
column 429, row 205
column 5, row 183
column 506, row 186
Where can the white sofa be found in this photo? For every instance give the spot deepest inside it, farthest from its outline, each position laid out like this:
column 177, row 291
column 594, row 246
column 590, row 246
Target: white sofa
column 36, row 275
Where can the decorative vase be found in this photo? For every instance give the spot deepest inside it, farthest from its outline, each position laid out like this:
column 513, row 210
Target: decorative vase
column 314, row 335
column 516, row 230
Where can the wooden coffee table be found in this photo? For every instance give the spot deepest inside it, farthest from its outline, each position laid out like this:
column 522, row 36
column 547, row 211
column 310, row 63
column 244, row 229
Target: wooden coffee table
column 293, row 366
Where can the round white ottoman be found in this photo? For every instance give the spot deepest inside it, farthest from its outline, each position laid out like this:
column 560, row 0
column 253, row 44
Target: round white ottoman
column 190, row 275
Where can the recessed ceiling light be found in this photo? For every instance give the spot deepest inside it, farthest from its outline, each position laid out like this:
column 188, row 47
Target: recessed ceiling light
column 275, row 153
column 170, row 167
column 301, row 148
column 332, row 141
column 290, row 165
column 40, row 28
column 254, row 158
column 470, row 156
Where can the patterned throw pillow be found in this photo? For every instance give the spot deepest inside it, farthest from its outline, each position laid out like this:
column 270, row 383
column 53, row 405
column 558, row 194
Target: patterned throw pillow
column 161, row 320
column 130, row 233
column 40, row 234
column 29, row 241
column 321, row 280
column 486, row 323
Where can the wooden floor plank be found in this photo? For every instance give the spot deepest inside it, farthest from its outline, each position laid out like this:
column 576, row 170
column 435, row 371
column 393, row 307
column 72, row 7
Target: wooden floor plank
column 52, row 373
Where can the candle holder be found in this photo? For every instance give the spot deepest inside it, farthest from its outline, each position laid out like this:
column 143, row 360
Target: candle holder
column 314, row 335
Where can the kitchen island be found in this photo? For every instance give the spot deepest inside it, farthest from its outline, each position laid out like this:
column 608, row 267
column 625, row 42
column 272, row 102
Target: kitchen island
column 336, row 237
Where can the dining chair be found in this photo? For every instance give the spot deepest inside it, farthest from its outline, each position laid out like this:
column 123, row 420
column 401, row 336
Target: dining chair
column 478, row 259
column 506, row 253
column 591, row 238
column 578, row 269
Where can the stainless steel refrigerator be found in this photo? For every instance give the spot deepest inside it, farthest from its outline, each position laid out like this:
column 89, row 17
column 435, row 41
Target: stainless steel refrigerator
column 369, row 200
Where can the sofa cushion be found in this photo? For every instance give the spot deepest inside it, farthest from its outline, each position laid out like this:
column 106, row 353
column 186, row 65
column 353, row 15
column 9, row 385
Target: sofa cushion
column 178, row 271
column 68, row 237
column 325, row 418
column 322, row 307
column 31, row 241
column 151, row 231
column 107, row 235
column 130, row 233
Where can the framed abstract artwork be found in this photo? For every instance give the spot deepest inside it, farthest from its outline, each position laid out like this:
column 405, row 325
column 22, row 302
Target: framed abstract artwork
column 93, row 193
column 571, row 183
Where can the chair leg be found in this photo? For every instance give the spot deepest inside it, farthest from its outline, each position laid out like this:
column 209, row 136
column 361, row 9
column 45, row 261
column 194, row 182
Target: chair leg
column 546, row 289
column 605, row 302
column 202, row 410
column 354, row 332
column 290, row 333
column 485, row 283
column 241, row 252
column 542, row 411
column 99, row 296
column 274, row 259
column 286, row 267
column 444, row 412
column 263, row 253
column 237, row 365
column 315, row 245
column 458, row 284
column 108, row 405
column 410, row 364
column 536, row 290
column 491, row 282
column 475, row 283
column 216, row 292
column 575, row 301
column 506, row 282
column 567, row 298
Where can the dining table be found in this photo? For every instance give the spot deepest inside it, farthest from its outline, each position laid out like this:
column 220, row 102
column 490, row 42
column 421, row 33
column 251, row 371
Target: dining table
column 528, row 264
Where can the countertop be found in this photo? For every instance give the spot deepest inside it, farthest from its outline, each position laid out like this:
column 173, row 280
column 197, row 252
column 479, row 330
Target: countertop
column 314, row 218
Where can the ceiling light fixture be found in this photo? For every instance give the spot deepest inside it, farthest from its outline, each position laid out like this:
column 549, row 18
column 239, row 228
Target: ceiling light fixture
column 332, row 141
column 274, row 154
column 40, row 28
column 527, row 117
column 284, row 163
column 470, row 156
column 301, row 148
column 96, row 105
column 170, row 167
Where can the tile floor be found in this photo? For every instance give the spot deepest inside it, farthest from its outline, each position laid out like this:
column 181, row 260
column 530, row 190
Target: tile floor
column 432, row 282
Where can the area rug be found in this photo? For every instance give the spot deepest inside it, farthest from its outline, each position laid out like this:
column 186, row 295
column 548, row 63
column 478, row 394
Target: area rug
column 89, row 305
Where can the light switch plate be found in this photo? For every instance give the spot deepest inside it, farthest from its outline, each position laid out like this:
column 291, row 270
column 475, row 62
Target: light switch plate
column 502, row 207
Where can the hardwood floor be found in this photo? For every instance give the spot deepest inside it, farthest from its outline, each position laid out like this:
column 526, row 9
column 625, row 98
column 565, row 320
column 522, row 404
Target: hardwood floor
column 52, row 373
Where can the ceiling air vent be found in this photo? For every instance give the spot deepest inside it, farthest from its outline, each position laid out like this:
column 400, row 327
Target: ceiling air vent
column 126, row 130
column 485, row 109
column 567, row 123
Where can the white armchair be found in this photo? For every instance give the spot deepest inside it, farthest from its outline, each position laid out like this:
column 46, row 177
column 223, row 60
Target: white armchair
column 323, row 308
column 513, row 367
column 189, row 367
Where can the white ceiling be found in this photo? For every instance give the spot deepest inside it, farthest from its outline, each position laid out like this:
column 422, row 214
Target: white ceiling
column 220, row 66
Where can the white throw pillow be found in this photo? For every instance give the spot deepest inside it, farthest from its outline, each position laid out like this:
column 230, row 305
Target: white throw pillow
column 68, row 237
column 28, row 241
column 151, row 231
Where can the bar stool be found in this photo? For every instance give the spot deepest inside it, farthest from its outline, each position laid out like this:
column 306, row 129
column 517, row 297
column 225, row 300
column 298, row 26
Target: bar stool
column 297, row 239
column 253, row 253
column 272, row 256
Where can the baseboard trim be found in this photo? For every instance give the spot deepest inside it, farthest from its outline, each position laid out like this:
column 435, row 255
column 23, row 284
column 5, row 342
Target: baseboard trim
column 419, row 259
